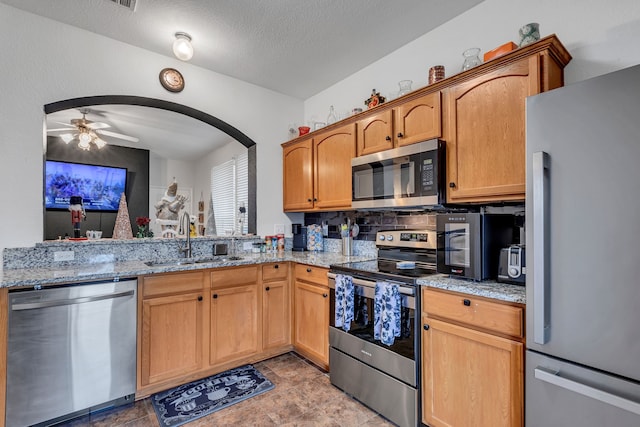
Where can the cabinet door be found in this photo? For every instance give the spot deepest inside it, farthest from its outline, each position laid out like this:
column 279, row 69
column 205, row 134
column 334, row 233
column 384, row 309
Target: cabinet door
column 333, row 152
column 298, row 176
column 418, row 120
column 375, row 133
column 234, row 323
column 312, row 322
column 470, row 378
column 486, row 133
column 276, row 326
column 172, row 335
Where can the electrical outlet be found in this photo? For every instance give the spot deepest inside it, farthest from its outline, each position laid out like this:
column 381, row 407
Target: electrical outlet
column 63, row 256
column 278, row 229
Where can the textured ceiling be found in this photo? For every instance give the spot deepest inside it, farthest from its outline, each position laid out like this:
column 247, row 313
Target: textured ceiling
column 296, row 47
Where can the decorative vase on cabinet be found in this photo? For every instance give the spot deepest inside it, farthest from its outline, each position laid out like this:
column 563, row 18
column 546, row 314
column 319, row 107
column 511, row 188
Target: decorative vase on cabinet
column 471, row 58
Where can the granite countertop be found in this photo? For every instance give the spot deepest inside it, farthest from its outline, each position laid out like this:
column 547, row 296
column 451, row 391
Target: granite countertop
column 488, row 288
column 109, row 270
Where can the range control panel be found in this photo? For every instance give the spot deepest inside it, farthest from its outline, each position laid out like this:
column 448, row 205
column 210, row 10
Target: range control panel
column 407, row 238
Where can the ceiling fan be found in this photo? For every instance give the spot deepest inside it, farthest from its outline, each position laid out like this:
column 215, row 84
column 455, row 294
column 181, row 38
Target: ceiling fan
column 86, row 132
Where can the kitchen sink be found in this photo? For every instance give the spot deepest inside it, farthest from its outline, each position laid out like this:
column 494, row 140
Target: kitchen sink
column 174, row 262
column 169, row 263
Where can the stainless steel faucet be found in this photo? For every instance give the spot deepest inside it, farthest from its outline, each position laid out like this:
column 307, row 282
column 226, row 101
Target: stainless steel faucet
column 187, row 248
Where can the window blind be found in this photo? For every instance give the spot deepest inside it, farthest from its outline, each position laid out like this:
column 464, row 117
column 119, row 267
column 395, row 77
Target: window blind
column 230, row 191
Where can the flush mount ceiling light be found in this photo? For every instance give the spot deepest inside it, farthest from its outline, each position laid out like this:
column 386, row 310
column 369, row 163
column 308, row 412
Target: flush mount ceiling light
column 182, row 47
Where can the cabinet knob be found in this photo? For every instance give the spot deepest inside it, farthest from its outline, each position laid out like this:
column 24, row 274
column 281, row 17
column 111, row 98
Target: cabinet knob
column 425, row 327
column 466, row 302
column 324, row 295
column 199, row 297
column 267, row 288
column 276, row 266
column 308, row 200
column 388, row 138
column 308, row 270
column 215, row 296
column 452, row 185
column 400, row 135
column 315, row 200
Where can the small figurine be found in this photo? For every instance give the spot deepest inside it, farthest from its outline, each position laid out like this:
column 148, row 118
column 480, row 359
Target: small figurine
column 77, row 214
column 375, row 99
column 167, row 210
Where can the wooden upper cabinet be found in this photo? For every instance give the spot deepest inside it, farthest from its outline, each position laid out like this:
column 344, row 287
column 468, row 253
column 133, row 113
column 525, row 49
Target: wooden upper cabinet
column 333, row 152
column 317, row 171
column 486, row 140
column 298, row 176
column 375, row 133
column 418, row 120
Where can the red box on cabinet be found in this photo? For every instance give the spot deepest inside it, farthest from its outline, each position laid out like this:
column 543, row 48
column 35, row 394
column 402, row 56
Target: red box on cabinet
column 500, row 50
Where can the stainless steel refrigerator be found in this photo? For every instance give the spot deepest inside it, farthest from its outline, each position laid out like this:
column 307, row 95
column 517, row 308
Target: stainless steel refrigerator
column 583, row 254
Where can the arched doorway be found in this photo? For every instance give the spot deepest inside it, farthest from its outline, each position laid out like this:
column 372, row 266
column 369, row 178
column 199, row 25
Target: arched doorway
column 180, row 109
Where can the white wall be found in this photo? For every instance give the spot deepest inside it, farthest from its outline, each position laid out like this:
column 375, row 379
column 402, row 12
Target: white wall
column 44, row 61
column 601, row 37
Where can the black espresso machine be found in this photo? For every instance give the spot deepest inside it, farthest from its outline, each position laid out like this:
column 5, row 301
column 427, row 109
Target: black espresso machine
column 299, row 237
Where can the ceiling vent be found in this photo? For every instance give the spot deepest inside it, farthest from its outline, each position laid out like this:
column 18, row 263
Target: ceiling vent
column 129, row 4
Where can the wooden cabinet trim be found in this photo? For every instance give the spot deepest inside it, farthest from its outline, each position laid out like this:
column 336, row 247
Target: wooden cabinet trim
column 234, row 276
column 172, row 283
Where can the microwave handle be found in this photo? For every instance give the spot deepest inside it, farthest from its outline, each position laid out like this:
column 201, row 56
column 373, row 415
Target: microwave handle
column 541, row 294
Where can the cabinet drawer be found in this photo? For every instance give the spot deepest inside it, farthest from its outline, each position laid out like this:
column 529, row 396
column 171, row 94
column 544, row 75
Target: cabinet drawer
column 313, row 274
column 276, row 271
column 164, row 284
column 474, row 311
column 234, row 276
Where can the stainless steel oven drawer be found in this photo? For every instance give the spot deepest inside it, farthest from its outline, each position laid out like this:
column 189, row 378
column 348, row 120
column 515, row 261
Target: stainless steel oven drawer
column 391, row 398
column 374, row 355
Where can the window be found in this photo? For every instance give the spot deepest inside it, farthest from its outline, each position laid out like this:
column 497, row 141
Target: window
column 230, row 195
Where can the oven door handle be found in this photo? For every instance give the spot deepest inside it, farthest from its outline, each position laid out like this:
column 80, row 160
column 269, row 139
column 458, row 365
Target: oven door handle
column 404, row 290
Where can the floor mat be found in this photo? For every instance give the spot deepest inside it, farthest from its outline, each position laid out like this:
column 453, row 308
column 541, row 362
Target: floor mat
column 196, row 399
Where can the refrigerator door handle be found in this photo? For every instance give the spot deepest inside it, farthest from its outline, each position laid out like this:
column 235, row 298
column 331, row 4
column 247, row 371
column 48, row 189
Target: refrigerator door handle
column 541, row 296
column 553, row 377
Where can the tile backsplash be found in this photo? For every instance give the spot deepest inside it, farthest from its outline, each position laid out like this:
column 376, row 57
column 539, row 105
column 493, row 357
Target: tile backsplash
column 370, row 222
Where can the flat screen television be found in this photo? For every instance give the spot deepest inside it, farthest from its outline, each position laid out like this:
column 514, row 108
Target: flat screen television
column 99, row 186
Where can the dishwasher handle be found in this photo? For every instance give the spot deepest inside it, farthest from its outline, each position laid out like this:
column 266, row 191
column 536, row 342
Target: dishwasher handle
column 71, row 301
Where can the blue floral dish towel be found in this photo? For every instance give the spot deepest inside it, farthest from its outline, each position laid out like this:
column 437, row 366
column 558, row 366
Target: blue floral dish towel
column 387, row 315
column 344, row 301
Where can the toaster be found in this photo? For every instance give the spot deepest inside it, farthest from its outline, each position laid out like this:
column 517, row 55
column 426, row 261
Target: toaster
column 511, row 268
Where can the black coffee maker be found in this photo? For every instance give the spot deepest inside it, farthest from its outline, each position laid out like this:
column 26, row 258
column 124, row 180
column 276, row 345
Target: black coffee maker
column 299, row 237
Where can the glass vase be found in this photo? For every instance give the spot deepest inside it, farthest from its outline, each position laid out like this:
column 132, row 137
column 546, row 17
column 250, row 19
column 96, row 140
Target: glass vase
column 471, row 58
column 405, row 87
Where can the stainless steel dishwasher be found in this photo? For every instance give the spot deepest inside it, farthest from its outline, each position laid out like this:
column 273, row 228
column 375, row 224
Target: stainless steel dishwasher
column 71, row 350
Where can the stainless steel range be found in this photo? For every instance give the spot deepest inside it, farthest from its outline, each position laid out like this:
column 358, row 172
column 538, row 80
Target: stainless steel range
column 384, row 377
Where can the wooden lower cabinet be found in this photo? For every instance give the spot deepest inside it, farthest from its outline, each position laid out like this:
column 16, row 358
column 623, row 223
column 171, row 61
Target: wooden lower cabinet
column 276, row 306
column 311, row 305
column 234, row 323
column 172, row 321
column 470, row 377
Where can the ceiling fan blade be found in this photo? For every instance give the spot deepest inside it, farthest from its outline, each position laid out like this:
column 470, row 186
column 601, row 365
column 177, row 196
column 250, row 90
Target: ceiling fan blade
column 64, row 124
column 97, row 125
column 118, row 135
column 60, row 130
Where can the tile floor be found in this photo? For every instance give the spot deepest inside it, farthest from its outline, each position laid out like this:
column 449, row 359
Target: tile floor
column 303, row 396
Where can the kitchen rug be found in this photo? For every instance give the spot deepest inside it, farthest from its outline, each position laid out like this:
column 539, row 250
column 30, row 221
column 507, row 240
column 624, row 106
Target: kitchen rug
column 196, row 399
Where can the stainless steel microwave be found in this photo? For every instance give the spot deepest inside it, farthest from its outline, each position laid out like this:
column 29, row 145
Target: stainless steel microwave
column 403, row 177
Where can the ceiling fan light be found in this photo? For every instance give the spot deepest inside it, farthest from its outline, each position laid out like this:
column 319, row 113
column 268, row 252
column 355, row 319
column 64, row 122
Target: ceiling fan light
column 67, row 137
column 84, row 138
column 84, row 145
column 99, row 142
column 182, row 47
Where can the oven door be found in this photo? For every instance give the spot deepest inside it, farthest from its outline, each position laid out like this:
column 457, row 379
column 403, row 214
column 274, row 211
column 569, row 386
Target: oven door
column 405, row 176
column 398, row 359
